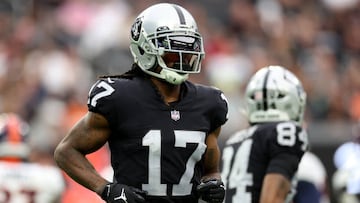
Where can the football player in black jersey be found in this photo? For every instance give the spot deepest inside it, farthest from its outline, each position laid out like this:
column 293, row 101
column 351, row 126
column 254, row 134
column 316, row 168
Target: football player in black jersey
column 162, row 129
column 259, row 163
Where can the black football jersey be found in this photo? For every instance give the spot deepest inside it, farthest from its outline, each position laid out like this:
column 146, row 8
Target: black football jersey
column 250, row 154
column 157, row 147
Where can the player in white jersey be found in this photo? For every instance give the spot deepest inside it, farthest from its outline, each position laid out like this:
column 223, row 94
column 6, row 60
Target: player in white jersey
column 22, row 181
column 311, row 180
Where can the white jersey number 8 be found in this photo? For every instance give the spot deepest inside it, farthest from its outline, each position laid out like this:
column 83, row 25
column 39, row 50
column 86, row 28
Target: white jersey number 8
column 286, row 135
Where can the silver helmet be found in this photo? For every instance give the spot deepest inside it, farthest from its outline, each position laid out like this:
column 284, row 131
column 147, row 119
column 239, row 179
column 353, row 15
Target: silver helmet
column 275, row 94
column 167, row 28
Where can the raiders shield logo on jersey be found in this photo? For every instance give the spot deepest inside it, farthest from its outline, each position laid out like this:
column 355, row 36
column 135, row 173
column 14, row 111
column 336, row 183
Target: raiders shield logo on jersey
column 175, row 115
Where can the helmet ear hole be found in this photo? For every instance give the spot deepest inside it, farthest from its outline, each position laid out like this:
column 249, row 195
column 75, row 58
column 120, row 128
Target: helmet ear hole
column 141, row 51
column 149, row 62
column 281, row 95
column 272, row 106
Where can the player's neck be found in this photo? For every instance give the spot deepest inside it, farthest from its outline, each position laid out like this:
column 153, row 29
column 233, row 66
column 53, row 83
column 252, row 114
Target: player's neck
column 169, row 92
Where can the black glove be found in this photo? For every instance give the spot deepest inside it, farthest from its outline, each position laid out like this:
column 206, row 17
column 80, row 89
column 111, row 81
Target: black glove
column 119, row 193
column 212, row 191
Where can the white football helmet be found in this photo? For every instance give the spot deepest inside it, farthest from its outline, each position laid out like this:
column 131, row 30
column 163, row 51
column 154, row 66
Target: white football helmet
column 275, row 94
column 166, row 28
column 14, row 133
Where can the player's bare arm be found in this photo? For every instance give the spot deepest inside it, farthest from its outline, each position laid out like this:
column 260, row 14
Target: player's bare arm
column 211, row 188
column 87, row 136
column 275, row 188
column 212, row 156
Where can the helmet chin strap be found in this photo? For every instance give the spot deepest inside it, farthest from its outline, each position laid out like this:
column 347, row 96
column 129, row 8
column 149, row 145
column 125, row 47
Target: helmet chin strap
column 173, row 77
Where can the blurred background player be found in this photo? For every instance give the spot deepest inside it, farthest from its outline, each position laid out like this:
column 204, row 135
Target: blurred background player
column 20, row 180
column 260, row 162
column 311, row 180
column 346, row 179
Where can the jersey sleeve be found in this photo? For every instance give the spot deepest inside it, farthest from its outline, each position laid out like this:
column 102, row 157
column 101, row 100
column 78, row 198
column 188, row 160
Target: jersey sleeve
column 101, row 99
column 220, row 110
column 287, row 143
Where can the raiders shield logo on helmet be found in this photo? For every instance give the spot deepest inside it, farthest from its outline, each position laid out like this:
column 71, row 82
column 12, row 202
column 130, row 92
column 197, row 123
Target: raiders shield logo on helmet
column 135, row 29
